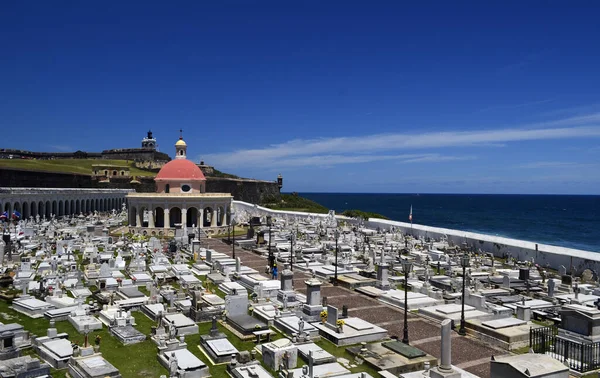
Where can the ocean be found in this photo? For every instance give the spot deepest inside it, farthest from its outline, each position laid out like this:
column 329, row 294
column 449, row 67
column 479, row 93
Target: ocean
column 561, row 220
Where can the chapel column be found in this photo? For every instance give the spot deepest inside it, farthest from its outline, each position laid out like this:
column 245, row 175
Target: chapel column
column 130, row 213
column 183, row 217
column 151, row 217
column 167, row 223
column 213, row 219
column 138, row 217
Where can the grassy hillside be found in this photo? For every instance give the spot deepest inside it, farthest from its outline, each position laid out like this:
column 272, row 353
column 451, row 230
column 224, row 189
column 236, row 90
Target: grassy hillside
column 81, row 166
column 293, row 202
column 362, row 214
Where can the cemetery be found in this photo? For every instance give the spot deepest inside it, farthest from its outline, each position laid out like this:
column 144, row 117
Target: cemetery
column 280, row 295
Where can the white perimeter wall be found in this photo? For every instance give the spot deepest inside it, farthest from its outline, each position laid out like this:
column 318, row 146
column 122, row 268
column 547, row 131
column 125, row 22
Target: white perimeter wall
column 501, row 247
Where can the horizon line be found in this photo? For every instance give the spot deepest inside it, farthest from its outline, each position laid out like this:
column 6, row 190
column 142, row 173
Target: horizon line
column 451, row 194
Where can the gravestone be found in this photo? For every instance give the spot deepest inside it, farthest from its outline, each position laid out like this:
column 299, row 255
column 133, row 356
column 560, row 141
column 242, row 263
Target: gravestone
column 332, row 316
column 524, row 274
column 551, row 286
column 523, row 312
column 562, row 270
column 287, row 280
column 236, row 304
column 382, row 276
column 587, row 276
column 312, row 308
column 506, row 282
column 214, row 331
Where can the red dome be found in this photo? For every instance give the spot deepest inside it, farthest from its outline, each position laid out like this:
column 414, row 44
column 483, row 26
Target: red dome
column 180, row 169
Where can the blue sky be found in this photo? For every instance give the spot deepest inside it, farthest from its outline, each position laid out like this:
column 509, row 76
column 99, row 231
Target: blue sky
column 337, row 96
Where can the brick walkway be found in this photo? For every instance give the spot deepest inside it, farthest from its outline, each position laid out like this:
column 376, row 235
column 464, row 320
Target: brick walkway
column 469, row 354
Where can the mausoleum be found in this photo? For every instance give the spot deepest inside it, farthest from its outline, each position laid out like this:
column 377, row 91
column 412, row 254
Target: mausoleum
column 180, row 200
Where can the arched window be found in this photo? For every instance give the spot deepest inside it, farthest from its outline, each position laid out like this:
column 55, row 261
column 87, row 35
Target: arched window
column 167, row 188
column 114, row 173
column 122, row 173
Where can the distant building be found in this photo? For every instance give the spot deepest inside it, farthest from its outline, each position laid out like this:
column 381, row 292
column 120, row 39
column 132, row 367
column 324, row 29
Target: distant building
column 147, row 153
column 149, row 142
column 110, row 170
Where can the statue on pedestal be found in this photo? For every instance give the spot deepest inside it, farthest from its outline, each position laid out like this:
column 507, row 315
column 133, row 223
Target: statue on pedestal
column 173, row 365
column 172, row 330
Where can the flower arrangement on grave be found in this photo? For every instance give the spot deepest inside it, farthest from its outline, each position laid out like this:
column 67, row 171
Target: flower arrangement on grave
column 257, row 327
column 340, row 322
column 323, row 316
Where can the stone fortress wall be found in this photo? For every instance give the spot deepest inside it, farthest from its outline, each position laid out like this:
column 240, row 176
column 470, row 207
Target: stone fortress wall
column 135, row 154
column 241, row 189
column 146, row 157
column 542, row 254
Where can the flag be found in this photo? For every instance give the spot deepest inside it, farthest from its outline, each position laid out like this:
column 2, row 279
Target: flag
column 16, row 214
column 4, row 215
column 410, row 214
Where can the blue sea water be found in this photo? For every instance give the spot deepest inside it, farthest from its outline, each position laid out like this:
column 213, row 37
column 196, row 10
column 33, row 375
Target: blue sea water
column 562, row 220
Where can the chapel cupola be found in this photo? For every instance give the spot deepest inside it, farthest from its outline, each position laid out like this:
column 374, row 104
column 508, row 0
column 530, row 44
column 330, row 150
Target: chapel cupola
column 180, row 147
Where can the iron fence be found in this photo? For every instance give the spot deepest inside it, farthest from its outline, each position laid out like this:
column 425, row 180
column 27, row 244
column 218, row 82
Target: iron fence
column 581, row 357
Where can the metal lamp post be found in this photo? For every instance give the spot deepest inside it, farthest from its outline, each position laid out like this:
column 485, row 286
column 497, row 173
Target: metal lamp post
column 229, row 234
column 337, row 236
column 464, row 262
column 271, row 257
column 407, row 267
column 232, row 222
column 292, row 239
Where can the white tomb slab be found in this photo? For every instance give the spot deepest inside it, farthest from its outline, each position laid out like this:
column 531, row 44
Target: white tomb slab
column 319, row 354
column 183, row 324
column 252, row 371
column 222, row 347
column 60, row 347
column 503, row 323
column 332, row 369
column 452, row 308
column 213, row 300
column 32, row 307
column 534, row 304
column 186, row 360
column 189, row 279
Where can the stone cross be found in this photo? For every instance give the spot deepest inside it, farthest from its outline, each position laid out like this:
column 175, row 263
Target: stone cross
column 214, row 331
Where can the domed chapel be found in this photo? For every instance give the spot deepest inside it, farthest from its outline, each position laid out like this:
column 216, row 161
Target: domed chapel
column 180, row 200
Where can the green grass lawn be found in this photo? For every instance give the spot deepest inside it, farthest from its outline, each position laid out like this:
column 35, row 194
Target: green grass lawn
column 140, row 360
column 137, row 360
column 81, row 166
